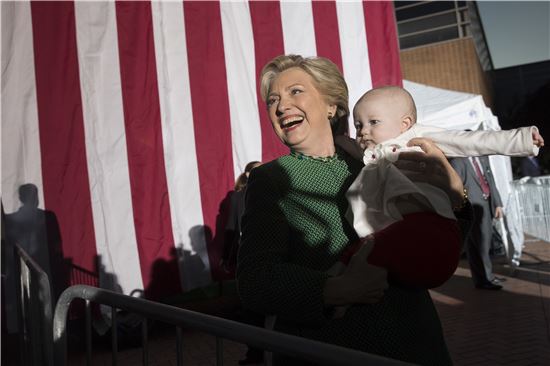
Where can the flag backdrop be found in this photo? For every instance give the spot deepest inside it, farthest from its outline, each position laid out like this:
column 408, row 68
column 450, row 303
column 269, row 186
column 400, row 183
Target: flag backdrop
column 134, row 118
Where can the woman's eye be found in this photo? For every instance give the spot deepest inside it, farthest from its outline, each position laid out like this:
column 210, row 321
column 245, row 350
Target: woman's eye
column 295, row 91
column 271, row 101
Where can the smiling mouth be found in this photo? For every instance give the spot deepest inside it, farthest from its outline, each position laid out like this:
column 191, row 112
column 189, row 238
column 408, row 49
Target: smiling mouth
column 290, row 122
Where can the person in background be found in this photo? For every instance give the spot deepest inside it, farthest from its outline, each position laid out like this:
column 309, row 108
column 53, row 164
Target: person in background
column 36, row 232
column 232, row 239
column 294, row 228
column 477, row 178
column 232, row 234
column 529, row 167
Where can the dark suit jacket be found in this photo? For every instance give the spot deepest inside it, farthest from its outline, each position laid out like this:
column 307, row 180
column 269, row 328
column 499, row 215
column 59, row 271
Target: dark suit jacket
column 471, row 182
column 529, row 167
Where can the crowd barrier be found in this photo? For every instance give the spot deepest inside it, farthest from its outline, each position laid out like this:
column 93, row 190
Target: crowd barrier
column 296, row 347
column 43, row 338
column 532, row 195
column 34, row 311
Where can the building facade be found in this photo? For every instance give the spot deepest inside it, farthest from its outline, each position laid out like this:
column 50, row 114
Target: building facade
column 442, row 44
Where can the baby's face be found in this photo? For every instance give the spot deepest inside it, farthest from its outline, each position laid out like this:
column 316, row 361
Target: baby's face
column 378, row 117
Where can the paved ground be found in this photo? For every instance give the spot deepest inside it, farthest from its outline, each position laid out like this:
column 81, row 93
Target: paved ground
column 507, row 327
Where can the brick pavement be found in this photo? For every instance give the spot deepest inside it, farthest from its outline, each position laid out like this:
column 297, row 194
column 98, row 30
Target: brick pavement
column 507, row 327
column 198, row 350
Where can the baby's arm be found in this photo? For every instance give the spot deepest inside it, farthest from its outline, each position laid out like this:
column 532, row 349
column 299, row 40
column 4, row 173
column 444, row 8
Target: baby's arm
column 524, row 141
column 537, row 138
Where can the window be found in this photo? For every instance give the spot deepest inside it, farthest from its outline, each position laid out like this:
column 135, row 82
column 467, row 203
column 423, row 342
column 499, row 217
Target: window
column 422, row 8
column 432, row 36
column 425, row 22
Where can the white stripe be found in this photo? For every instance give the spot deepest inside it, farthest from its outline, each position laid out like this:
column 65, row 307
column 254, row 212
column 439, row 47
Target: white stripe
column 355, row 52
column 238, row 43
column 179, row 143
column 21, row 161
column 298, row 29
column 106, row 151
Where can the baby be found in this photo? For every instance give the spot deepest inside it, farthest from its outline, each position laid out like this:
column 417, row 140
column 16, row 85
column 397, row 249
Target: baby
column 385, row 206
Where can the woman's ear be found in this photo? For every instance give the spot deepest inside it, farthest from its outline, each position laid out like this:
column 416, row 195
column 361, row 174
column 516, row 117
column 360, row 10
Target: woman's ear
column 331, row 110
column 406, row 123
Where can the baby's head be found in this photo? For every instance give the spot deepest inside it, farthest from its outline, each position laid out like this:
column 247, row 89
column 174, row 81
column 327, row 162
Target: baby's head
column 383, row 113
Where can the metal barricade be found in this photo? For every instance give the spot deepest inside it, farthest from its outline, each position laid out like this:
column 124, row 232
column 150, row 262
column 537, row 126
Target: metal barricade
column 300, row 348
column 533, row 198
column 34, row 303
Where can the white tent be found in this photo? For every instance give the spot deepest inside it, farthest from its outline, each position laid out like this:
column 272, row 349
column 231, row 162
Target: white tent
column 459, row 111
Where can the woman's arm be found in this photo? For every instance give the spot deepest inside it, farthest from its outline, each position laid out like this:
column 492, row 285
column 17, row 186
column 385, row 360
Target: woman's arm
column 434, row 168
column 361, row 283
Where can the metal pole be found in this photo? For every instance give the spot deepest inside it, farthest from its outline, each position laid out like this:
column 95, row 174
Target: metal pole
column 114, row 340
column 60, row 327
column 293, row 346
column 34, row 318
column 34, row 311
column 145, row 342
column 179, row 347
column 88, row 334
column 22, row 331
column 219, row 351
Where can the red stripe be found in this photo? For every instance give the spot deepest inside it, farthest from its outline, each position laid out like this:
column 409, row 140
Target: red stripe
column 61, row 123
column 268, row 43
column 382, row 42
column 210, row 104
column 327, row 36
column 151, row 205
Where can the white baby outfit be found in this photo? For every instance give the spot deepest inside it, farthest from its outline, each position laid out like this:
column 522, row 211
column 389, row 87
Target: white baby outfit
column 374, row 194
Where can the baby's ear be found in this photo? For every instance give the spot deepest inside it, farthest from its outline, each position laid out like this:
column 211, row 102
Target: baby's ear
column 406, row 123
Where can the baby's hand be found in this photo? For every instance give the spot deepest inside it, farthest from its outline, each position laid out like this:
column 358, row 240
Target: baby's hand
column 537, row 138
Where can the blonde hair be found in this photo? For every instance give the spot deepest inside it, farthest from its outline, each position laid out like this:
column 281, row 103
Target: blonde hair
column 326, row 76
column 397, row 92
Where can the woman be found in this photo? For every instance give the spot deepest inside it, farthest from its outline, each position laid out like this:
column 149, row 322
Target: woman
column 294, row 227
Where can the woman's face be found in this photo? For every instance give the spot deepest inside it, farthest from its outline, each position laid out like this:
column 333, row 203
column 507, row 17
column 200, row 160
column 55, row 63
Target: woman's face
column 298, row 112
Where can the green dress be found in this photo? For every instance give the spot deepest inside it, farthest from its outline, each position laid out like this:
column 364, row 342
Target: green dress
column 294, row 230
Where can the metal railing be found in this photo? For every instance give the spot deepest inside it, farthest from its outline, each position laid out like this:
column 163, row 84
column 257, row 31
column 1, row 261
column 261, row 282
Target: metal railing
column 34, row 307
column 533, row 198
column 296, row 347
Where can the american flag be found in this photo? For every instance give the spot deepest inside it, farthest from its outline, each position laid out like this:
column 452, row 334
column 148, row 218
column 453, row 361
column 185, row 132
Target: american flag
column 134, row 118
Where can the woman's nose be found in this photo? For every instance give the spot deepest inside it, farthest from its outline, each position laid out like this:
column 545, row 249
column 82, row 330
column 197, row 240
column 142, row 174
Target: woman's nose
column 282, row 105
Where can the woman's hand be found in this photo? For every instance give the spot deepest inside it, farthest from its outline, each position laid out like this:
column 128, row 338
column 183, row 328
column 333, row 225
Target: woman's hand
column 431, row 167
column 360, row 283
